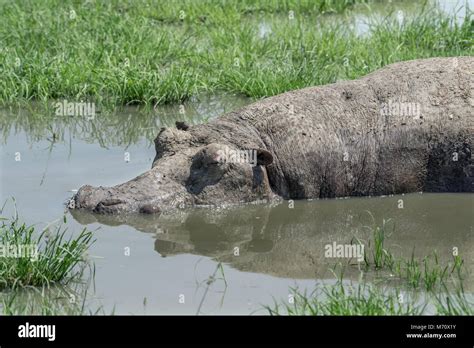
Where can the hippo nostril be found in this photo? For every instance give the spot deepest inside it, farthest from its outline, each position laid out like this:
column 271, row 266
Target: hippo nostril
column 87, row 197
column 108, row 206
column 149, row 209
column 111, row 201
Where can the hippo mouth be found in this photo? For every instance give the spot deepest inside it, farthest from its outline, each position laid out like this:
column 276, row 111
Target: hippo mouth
column 108, row 206
column 117, row 205
column 84, row 199
column 96, row 200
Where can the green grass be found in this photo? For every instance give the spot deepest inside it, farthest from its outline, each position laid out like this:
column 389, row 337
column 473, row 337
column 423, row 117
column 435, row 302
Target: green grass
column 148, row 52
column 420, row 284
column 50, row 300
column 375, row 252
column 343, row 299
column 454, row 303
column 60, row 259
column 368, row 299
column 427, row 273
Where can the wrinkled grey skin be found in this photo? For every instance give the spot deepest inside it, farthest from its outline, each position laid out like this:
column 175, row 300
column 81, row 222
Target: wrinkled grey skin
column 317, row 142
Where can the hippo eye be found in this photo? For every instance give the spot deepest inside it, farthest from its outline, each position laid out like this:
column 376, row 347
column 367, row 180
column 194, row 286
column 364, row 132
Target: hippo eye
column 214, row 163
column 216, row 159
column 212, row 156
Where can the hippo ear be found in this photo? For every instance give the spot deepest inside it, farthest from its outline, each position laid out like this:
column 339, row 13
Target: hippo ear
column 264, row 157
column 181, row 125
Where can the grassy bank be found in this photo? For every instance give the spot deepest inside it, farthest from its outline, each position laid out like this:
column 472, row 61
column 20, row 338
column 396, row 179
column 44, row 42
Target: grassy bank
column 156, row 52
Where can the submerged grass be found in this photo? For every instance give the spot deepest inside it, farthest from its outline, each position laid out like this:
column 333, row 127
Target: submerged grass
column 454, row 302
column 40, row 259
column 155, row 52
column 426, row 273
column 343, row 299
column 423, row 285
column 367, row 299
column 47, row 300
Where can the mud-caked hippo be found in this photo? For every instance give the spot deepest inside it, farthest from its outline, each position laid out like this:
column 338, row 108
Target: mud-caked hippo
column 407, row 127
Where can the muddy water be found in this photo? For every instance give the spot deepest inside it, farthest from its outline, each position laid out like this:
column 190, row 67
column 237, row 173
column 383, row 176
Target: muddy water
column 151, row 264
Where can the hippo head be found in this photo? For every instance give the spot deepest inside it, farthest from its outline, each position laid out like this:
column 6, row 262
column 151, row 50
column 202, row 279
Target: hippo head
column 186, row 171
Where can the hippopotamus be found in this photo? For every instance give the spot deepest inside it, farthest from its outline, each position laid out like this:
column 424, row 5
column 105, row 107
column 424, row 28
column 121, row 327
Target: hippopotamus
column 407, row 127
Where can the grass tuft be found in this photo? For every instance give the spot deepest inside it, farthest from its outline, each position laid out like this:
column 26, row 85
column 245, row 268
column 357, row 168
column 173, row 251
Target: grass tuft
column 57, row 259
column 344, row 299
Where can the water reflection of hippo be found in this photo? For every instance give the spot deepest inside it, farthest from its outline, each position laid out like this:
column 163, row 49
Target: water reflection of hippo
column 404, row 128
column 290, row 243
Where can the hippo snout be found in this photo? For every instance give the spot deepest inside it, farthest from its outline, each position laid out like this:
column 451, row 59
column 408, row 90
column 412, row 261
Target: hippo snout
column 102, row 200
column 116, row 206
column 149, row 209
column 149, row 193
column 88, row 197
column 98, row 200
